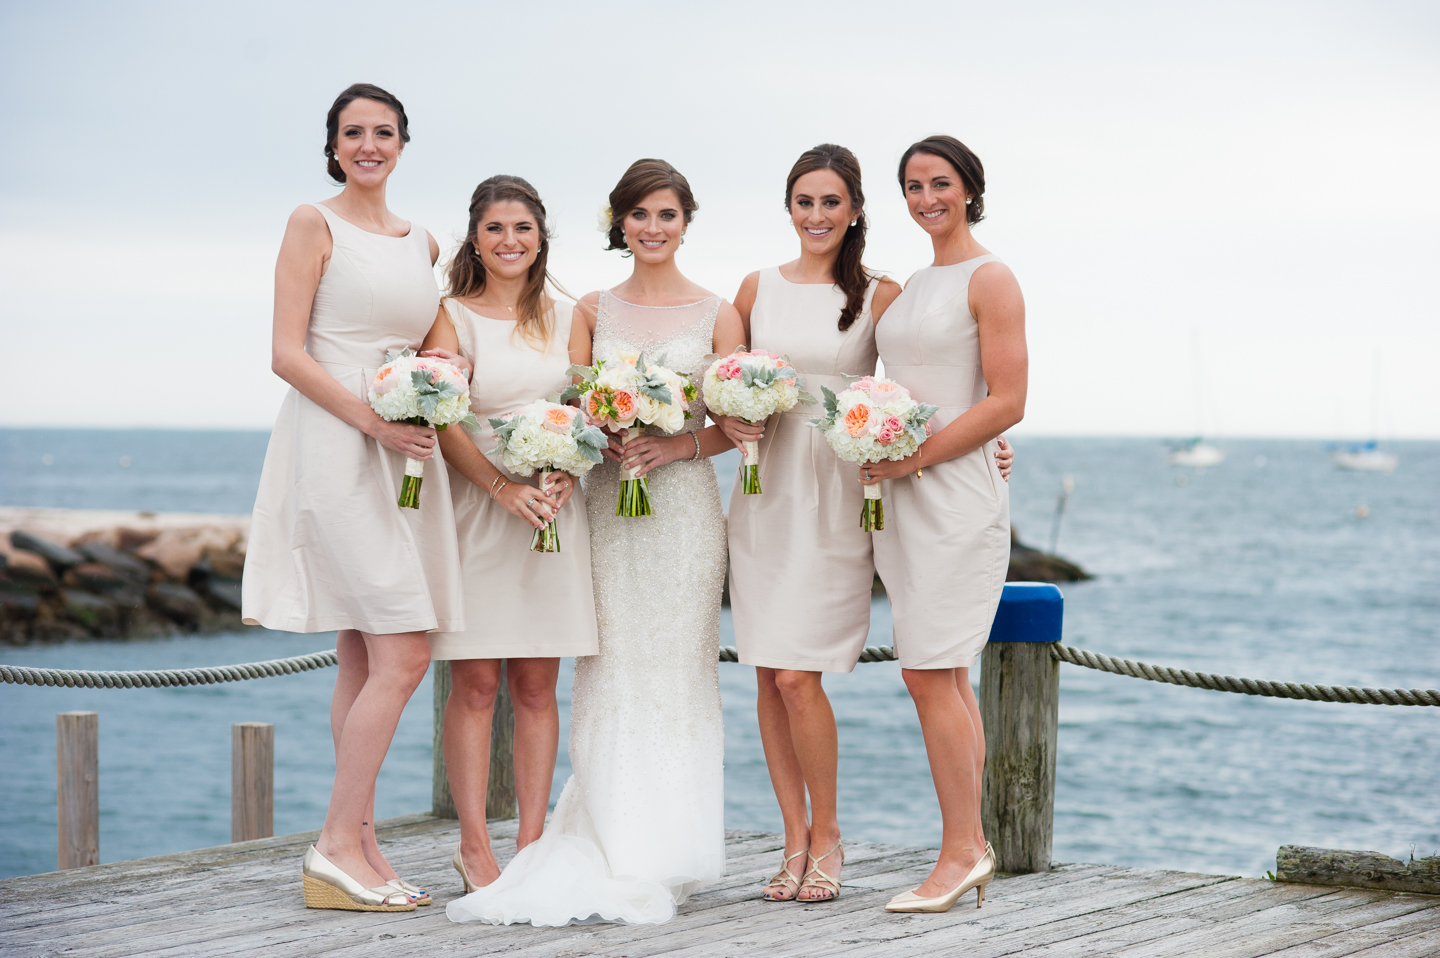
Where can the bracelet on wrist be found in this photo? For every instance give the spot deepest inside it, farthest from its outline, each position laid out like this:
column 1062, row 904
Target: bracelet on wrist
column 696, row 436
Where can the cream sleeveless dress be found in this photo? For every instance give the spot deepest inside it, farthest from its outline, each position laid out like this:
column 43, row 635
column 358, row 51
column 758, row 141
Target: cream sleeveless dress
column 518, row 603
column 329, row 547
column 640, row 825
column 945, row 548
column 801, row 568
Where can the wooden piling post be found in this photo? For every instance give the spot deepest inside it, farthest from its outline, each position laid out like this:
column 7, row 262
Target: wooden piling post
column 441, row 804
column 252, row 781
column 500, row 798
column 77, row 788
column 1020, row 708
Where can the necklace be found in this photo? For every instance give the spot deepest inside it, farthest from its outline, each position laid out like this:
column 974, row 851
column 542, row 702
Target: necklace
column 484, row 302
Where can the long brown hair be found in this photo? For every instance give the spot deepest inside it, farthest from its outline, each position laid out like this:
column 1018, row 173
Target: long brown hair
column 358, row 91
column 851, row 277
column 966, row 164
column 640, row 180
column 466, row 273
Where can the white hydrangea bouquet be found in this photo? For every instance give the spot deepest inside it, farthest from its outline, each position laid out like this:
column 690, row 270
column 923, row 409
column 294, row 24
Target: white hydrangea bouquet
column 873, row 420
column 624, row 393
column 426, row 392
column 543, row 437
column 753, row 386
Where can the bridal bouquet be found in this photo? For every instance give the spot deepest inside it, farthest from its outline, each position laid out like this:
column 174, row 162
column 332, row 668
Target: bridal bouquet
column 423, row 391
column 623, row 392
column 753, row 386
column 873, row 420
column 543, row 437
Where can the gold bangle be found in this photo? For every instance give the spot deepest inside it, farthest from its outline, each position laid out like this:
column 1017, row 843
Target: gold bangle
column 920, row 469
column 498, row 477
column 495, row 493
column 696, row 436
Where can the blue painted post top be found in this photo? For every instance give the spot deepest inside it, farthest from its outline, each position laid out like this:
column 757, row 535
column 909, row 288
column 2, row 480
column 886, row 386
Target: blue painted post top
column 1029, row 612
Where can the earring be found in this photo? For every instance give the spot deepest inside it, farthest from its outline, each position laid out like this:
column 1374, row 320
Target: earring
column 969, row 200
column 682, row 239
column 854, row 221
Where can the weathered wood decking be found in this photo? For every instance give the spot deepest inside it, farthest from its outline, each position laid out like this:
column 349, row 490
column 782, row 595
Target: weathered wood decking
column 245, row 900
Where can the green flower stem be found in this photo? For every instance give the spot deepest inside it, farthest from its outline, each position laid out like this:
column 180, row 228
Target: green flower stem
column 872, row 515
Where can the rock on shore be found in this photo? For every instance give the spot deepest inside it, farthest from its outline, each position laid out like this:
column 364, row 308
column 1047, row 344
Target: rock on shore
column 82, row 573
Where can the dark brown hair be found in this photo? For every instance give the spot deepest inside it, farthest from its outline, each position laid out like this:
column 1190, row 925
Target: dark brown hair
column 850, row 275
column 358, row 91
column 643, row 178
column 466, row 273
column 966, row 164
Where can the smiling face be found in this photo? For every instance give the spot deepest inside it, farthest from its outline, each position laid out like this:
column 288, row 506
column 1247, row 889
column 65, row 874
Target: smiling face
column 935, row 194
column 508, row 239
column 821, row 211
column 368, row 142
column 653, row 227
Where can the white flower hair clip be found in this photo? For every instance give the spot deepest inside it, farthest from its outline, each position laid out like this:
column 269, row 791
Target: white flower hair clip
column 606, row 219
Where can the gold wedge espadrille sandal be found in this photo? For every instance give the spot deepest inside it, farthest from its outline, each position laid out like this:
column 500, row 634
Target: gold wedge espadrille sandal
column 328, row 887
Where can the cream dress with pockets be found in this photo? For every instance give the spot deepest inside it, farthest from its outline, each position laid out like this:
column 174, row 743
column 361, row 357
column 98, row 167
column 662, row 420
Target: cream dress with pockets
column 945, row 548
column 801, row 568
column 518, row 603
column 329, row 547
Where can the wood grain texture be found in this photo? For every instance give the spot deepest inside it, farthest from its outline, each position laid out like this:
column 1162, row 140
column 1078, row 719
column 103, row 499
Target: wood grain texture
column 1333, row 866
column 442, row 805
column 252, row 781
column 500, row 799
column 77, row 788
column 246, row 900
column 1020, row 709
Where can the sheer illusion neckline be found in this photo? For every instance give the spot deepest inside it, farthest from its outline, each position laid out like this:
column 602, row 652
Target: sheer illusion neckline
column 611, row 294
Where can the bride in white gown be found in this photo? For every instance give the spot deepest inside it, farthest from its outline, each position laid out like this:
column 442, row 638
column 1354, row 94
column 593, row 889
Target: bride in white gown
column 639, row 825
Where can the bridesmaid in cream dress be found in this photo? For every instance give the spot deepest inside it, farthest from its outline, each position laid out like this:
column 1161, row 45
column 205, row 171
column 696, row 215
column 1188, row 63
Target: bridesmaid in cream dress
column 522, row 607
column 801, row 568
column 956, row 338
column 330, row 548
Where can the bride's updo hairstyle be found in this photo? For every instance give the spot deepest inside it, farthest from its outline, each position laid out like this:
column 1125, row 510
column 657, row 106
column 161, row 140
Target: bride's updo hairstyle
column 966, row 163
column 466, row 273
column 358, row 91
column 643, row 178
column 850, row 275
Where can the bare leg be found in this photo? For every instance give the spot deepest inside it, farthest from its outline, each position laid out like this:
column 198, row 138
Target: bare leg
column 954, row 743
column 972, row 705
column 814, row 742
column 396, row 665
column 785, row 773
column 537, row 740
column 354, row 669
column 474, row 683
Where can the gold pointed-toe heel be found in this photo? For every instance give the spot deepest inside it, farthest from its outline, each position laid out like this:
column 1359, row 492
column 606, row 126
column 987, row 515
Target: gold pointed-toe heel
column 980, row 876
column 459, row 864
column 328, row 887
column 420, row 895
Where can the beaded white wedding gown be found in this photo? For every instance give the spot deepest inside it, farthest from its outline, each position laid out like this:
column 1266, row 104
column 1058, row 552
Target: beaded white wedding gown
column 640, row 824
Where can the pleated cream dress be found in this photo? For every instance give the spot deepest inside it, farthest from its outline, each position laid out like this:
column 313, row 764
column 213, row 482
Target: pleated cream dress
column 518, row 603
column 329, row 546
column 945, row 548
column 801, row 568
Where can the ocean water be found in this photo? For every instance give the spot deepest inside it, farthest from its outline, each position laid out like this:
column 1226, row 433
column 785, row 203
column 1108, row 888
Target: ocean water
column 1262, row 566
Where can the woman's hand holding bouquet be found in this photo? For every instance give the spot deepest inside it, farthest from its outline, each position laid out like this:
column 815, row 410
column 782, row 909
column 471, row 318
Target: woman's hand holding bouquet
column 872, row 421
column 545, row 437
column 624, row 394
column 423, row 391
column 753, row 386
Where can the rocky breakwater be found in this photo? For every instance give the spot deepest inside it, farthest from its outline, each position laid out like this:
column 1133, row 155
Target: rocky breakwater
column 77, row 574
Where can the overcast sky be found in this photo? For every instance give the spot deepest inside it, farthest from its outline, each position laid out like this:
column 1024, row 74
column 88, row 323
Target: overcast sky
column 1240, row 198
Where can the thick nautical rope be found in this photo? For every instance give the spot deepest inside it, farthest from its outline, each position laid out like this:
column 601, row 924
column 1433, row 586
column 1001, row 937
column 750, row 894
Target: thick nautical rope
column 166, row 678
column 1229, row 683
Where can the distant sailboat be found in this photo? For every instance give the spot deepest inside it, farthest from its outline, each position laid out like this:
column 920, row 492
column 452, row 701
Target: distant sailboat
column 1195, row 453
column 1365, row 457
column 1368, row 456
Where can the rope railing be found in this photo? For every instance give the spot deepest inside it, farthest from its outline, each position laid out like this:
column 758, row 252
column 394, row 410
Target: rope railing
column 168, row 678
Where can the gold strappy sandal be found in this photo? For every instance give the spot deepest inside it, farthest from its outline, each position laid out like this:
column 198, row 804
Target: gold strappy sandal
column 784, row 878
column 824, row 881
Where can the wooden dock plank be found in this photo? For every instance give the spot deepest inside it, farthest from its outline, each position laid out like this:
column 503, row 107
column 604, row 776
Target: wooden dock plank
column 244, row 900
